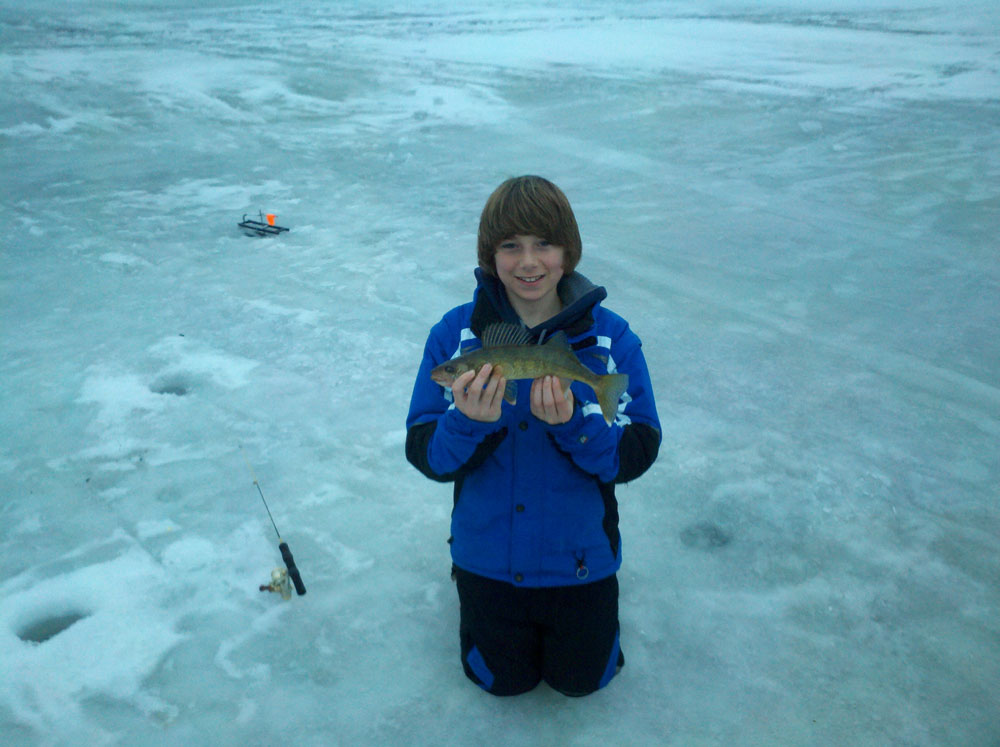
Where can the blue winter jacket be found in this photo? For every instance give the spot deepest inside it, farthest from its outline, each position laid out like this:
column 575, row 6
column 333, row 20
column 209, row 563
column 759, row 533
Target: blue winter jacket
column 534, row 503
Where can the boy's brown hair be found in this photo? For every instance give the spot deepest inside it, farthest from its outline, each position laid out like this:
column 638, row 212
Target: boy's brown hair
column 530, row 206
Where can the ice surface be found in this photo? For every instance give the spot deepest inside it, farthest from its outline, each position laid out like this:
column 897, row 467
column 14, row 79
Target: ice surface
column 796, row 205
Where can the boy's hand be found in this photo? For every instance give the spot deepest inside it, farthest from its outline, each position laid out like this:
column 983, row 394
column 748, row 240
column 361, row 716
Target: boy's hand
column 548, row 403
column 478, row 395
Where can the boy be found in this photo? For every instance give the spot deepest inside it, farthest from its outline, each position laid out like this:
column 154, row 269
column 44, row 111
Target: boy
column 535, row 542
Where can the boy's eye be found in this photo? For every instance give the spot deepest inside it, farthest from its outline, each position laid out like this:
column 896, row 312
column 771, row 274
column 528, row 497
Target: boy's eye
column 544, row 242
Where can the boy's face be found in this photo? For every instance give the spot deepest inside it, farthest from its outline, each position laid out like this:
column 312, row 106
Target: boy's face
column 530, row 269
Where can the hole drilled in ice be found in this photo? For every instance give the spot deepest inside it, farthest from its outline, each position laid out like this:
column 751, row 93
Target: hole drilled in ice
column 49, row 627
column 705, row 536
column 174, row 384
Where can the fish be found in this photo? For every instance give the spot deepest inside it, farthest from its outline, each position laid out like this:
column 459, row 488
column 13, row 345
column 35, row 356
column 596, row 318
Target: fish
column 508, row 347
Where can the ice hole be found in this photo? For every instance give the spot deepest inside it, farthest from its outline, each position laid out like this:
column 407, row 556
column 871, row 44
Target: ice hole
column 175, row 385
column 705, row 536
column 49, row 627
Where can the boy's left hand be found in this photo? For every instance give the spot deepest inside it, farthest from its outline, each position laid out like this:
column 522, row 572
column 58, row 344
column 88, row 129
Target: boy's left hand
column 548, row 403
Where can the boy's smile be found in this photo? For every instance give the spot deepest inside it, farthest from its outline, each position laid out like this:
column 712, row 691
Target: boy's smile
column 530, row 268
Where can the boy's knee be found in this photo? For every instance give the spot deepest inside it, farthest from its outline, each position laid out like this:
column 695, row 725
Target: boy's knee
column 514, row 682
column 578, row 683
column 504, row 688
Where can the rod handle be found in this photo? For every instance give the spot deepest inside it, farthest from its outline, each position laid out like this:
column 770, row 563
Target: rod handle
column 293, row 572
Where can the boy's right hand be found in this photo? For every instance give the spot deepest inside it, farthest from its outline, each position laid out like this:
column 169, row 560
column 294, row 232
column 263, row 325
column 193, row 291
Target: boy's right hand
column 478, row 396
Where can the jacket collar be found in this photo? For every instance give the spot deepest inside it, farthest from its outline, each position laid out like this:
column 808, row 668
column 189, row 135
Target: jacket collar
column 579, row 297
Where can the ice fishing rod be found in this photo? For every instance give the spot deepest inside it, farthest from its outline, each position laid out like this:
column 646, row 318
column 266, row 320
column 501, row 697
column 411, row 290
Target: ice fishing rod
column 286, row 554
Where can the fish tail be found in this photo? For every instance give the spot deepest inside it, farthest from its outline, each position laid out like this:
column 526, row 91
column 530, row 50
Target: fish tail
column 609, row 391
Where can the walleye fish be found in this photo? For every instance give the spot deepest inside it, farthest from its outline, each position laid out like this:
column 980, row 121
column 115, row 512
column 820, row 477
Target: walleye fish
column 509, row 348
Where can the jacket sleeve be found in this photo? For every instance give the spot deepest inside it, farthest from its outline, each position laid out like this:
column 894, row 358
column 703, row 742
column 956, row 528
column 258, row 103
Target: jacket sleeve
column 629, row 446
column 441, row 442
column 418, row 441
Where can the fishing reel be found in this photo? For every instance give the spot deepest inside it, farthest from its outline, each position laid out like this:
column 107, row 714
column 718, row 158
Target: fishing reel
column 280, row 583
column 282, row 579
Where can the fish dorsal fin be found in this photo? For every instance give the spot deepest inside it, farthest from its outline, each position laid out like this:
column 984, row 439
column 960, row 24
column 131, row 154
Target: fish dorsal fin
column 505, row 333
column 559, row 347
column 559, row 340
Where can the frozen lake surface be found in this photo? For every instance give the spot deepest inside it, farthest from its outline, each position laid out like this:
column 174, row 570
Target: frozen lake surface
column 796, row 205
